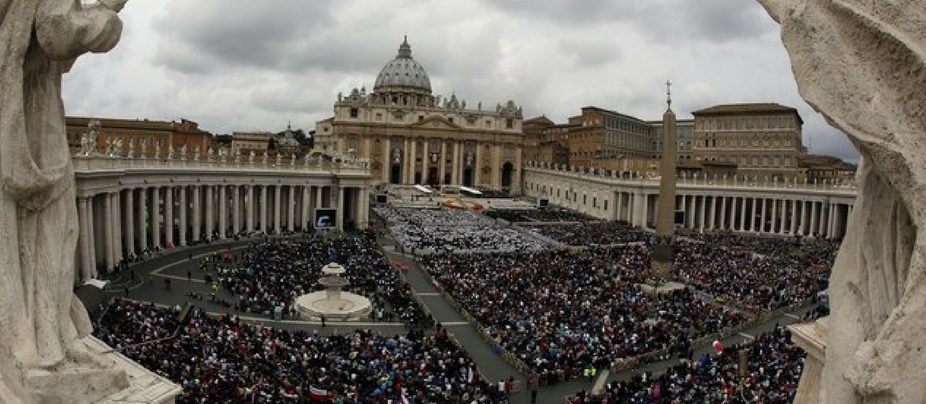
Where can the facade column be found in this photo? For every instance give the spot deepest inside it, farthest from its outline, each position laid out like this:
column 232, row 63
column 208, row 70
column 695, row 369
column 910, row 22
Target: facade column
column 692, row 202
column 804, row 217
column 455, row 164
column 306, row 208
column 108, row 236
column 184, row 213
column 477, row 170
column 319, row 201
column 223, row 211
column 117, row 227
column 129, row 233
column 752, row 218
column 701, row 210
column 784, row 217
column 518, row 170
column 277, row 196
column 263, row 209
column 425, row 159
column 291, row 208
column 387, row 160
column 743, row 214
column 771, row 228
column 406, row 159
column 442, row 168
column 197, row 213
column 249, row 209
column 155, row 217
column 723, row 213
column 496, row 167
column 793, row 228
column 413, row 162
column 339, row 217
column 764, row 210
column 645, row 210
column 712, row 209
column 831, row 228
column 169, row 216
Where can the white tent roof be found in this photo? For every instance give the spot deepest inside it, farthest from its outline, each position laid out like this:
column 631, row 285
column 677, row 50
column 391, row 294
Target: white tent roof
column 470, row 190
column 423, row 189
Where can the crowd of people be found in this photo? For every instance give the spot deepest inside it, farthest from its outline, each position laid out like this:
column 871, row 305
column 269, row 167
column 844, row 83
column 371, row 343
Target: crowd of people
column 273, row 272
column 222, row 359
column 562, row 311
column 593, row 233
column 782, row 273
column 543, row 215
column 771, row 376
column 439, row 231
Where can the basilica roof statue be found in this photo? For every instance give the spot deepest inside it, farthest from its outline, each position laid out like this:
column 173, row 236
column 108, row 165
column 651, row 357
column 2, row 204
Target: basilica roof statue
column 403, row 74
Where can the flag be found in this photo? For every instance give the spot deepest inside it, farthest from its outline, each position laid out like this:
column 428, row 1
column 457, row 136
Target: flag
column 317, row 394
column 405, row 400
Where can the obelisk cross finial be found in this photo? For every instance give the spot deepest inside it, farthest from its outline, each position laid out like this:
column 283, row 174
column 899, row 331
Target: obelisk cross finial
column 669, row 92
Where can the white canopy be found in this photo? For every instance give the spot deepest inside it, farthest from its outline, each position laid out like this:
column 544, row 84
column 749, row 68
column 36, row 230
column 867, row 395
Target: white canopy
column 423, row 189
column 97, row 283
column 470, row 190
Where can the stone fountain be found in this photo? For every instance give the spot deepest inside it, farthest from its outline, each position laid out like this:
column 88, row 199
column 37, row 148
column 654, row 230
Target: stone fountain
column 333, row 303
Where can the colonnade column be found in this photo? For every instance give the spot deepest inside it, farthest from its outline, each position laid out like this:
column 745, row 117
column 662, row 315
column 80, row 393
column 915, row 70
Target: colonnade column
column 128, row 234
column 142, row 219
column 692, row 202
column 249, row 209
column 407, row 162
column 496, row 166
column 764, row 210
column 197, row 215
column 108, row 235
column 771, row 228
column 154, row 217
column 184, row 207
column 223, row 211
column 87, row 264
column 169, row 216
column 210, row 212
column 783, row 217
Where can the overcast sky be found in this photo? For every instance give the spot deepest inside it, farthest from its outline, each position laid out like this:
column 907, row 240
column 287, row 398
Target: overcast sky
column 255, row 65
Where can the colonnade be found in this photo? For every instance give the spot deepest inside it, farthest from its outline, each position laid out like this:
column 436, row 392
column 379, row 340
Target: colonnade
column 128, row 220
column 786, row 209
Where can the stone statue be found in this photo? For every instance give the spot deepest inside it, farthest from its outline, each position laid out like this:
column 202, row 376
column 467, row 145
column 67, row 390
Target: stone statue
column 88, row 140
column 117, row 147
column 183, row 152
column 210, row 153
column 196, row 153
column 292, row 160
column 251, row 157
column 265, row 159
column 862, row 65
column 157, row 149
column 109, row 147
column 130, row 153
column 170, row 152
column 42, row 323
column 279, row 159
column 144, row 147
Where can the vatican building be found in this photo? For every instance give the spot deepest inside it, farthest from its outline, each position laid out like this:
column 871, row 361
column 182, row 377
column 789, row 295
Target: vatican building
column 412, row 136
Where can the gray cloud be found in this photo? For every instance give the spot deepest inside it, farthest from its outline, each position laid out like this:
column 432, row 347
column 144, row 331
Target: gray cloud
column 243, row 65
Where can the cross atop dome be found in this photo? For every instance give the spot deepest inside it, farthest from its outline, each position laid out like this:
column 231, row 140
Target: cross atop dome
column 405, row 51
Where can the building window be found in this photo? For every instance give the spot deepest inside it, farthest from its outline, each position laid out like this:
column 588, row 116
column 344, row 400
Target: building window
column 605, row 204
column 354, row 112
column 450, row 119
column 509, row 123
column 420, row 118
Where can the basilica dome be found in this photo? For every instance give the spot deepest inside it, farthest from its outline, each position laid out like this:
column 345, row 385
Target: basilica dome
column 403, row 74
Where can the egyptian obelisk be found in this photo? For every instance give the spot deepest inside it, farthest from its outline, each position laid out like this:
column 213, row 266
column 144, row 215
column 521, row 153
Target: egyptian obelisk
column 665, row 215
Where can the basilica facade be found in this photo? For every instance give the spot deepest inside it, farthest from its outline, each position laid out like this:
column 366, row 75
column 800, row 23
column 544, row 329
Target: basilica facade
column 412, row 136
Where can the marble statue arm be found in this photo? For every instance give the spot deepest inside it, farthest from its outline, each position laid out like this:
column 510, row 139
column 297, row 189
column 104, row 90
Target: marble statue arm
column 66, row 29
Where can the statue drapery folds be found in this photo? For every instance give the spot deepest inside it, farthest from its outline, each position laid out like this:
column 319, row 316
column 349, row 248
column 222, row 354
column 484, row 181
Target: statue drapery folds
column 40, row 318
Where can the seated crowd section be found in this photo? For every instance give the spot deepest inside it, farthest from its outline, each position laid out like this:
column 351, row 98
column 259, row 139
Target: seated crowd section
column 440, row 231
column 273, row 272
column 771, row 376
column 220, row 359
